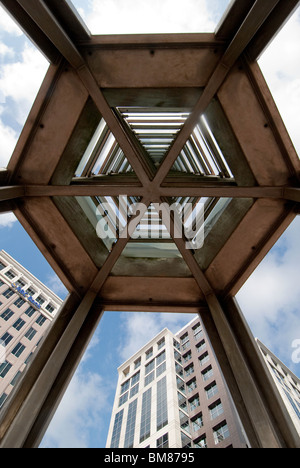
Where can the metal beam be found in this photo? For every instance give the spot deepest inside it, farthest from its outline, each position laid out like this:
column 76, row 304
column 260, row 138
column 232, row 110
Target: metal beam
column 45, row 20
column 192, row 189
column 32, row 30
column 273, row 25
column 11, row 193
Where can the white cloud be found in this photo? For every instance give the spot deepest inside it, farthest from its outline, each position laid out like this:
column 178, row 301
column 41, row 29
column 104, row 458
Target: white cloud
column 281, row 67
column 8, row 25
column 79, row 412
column 6, row 51
column 21, row 81
column 54, row 283
column 7, row 220
column 141, row 327
column 270, row 300
column 142, row 16
column 8, row 140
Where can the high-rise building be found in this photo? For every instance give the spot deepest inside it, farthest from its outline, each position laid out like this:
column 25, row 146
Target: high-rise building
column 287, row 383
column 27, row 308
column 171, row 394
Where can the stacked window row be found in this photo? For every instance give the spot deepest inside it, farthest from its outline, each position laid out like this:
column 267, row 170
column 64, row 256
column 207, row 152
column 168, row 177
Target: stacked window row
column 191, row 417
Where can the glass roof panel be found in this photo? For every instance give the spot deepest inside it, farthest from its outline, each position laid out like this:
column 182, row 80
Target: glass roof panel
column 142, row 16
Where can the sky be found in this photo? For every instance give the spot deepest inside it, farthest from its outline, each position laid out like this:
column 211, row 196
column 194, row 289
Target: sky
column 270, row 299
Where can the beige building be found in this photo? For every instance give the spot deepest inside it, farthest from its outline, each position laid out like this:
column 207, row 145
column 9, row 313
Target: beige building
column 27, row 308
column 171, row 394
column 287, row 383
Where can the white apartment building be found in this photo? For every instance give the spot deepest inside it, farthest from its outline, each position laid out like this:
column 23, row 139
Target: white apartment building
column 27, row 308
column 287, row 383
column 171, row 394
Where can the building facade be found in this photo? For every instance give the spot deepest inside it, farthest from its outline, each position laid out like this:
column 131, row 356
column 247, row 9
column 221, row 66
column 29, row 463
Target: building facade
column 286, row 382
column 171, row 394
column 27, row 308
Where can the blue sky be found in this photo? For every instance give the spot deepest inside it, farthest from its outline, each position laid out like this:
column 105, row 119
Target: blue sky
column 270, row 299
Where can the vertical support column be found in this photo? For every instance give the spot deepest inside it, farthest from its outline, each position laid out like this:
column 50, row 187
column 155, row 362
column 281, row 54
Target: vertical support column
column 38, row 394
column 264, row 417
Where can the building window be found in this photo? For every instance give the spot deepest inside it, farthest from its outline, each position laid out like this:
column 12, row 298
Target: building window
column 40, row 300
column 16, row 378
column 185, row 342
column 201, row 443
column 2, row 266
column 203, row 359
column 3, row 399
column 198, row 332
column 189, row 370
column 207, row 373
column 10, row 274
column 187, row 357
column 137, row 363
column 176, row 345
column 211, row 390
column 178, row 369
column 146, row 416
column 201, row 346
column 194, row 403
column 30, row 311
column 177, row 356
column 18, row 350
column 161, row 369
column 41, row 320
column 186, row 441
column 125, row 387
column 7, row 314
column 221, row 432
column 50, row 308
column 4, row 369
column 163, row 442
column 19, row 302
column 130, row 428
column 149, row 378
column 19, row 324
column 197, row 422
column 30, row 334
column 180, row 384
column 149, row 353
column 161, row 358
column 135, row 379
column 8, row 293
column 20, row 283
column 149, row 367
column 31, row 292
column 117, row 430
column 161, row 344
column 123, row 399
column 216, row 409
column 134, row 391
column 6, row 338
column 162, row 404
column 192, row 385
